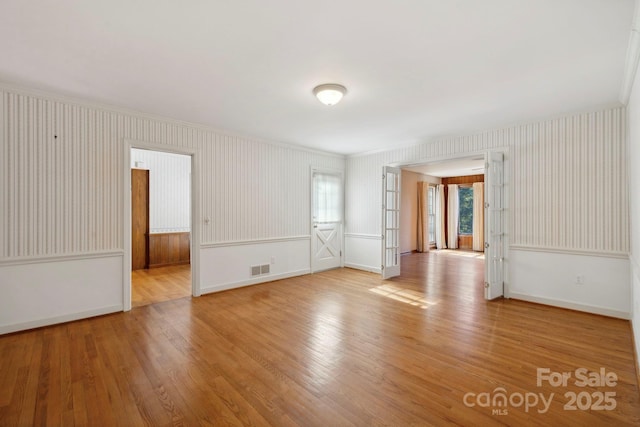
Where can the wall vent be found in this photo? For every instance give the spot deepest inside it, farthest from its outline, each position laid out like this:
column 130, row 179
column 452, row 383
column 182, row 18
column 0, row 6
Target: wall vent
column 257, row 270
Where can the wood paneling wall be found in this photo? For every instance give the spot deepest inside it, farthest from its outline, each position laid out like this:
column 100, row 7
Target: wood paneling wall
column 567, row 181
column 139, row 219
column 61, row 186
column 470, row 179
column 168, row 249
column 465, row 242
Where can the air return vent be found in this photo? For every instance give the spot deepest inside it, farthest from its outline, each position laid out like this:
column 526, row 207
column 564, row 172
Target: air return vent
column 257, row 270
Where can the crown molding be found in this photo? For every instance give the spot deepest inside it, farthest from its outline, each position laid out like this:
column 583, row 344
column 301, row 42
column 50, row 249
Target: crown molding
column 481, row 131
column 74, row 100
column 633, row 56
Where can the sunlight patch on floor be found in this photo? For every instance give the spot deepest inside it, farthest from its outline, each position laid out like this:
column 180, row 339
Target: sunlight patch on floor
column 406, row 296
column 465, row 254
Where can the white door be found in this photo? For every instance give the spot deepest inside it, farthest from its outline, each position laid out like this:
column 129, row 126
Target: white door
column 326, row 220
column 494, row 226
column 390, row 222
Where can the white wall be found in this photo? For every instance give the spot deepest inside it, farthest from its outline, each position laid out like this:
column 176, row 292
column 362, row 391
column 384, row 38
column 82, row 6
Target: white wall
column 551, row 278
column 409, row 212
column 409, row 208
column 44, row 291
column 567, row 191
column 225, row 266
column 169, row 189
column 633, row 111
column 62, row 198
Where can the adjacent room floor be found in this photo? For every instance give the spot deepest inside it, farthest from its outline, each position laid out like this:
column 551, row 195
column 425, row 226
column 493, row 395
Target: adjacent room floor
column 160, row 284
column 342, row 347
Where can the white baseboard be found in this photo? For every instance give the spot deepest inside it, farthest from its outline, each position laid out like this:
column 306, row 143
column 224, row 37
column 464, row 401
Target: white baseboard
column 363, row 267
column 7, row 329
column 255, row 281
column 572, row 306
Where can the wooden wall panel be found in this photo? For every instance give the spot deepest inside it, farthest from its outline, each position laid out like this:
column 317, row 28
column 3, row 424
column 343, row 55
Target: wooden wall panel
column 61, row 186
column 168, row 249
column 139, row 219
column 465, row 242
column 463, row 179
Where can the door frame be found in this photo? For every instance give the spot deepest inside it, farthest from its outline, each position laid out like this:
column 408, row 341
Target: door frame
column 195, row 210
column 507, row 196
column 339, row 173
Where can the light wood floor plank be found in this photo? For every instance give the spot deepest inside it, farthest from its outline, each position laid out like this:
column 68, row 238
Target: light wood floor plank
column 342, row 347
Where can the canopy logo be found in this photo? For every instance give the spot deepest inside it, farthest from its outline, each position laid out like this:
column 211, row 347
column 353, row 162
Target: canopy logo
column 500, row 401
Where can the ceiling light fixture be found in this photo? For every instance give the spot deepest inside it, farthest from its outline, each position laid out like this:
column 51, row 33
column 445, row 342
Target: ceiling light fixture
column 329, row 94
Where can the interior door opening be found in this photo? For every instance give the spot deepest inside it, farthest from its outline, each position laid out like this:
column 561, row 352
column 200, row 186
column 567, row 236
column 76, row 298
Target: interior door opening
column 161, row 226
column 480, row 213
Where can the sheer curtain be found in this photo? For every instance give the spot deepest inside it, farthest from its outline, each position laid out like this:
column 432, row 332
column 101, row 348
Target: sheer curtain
column 440, row 231
column 452, row 216
column 423, row 216
column 478, row 216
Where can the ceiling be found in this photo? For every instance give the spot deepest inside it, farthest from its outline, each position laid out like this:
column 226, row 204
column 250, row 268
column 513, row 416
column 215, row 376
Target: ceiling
column 449, row 168
column 415, row 70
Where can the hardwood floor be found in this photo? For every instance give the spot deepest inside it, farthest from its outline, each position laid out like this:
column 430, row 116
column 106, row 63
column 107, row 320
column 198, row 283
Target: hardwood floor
column 149, row 286
column 342, row 347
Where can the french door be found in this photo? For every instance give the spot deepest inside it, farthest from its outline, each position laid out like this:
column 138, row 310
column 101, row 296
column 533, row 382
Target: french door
column 390, row 222
column 494, row 226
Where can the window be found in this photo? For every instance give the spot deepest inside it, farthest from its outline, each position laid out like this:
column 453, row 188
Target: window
column 465, row 221
column 431, row 211
column 327, row 194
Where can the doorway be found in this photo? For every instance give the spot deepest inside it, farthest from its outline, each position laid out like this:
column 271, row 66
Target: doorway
column 160, row 232
column 160, row 226
column 463, row 173
column 326, row 219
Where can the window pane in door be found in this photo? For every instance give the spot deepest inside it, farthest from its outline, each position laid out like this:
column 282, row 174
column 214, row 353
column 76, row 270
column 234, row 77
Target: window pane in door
column 327, row 203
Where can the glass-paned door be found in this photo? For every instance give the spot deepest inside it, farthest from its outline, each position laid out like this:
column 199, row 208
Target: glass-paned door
column 390, row 222
column 494, row 226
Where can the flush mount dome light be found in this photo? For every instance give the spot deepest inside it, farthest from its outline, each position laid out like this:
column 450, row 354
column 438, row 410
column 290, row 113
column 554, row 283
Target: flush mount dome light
column 329, row 94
